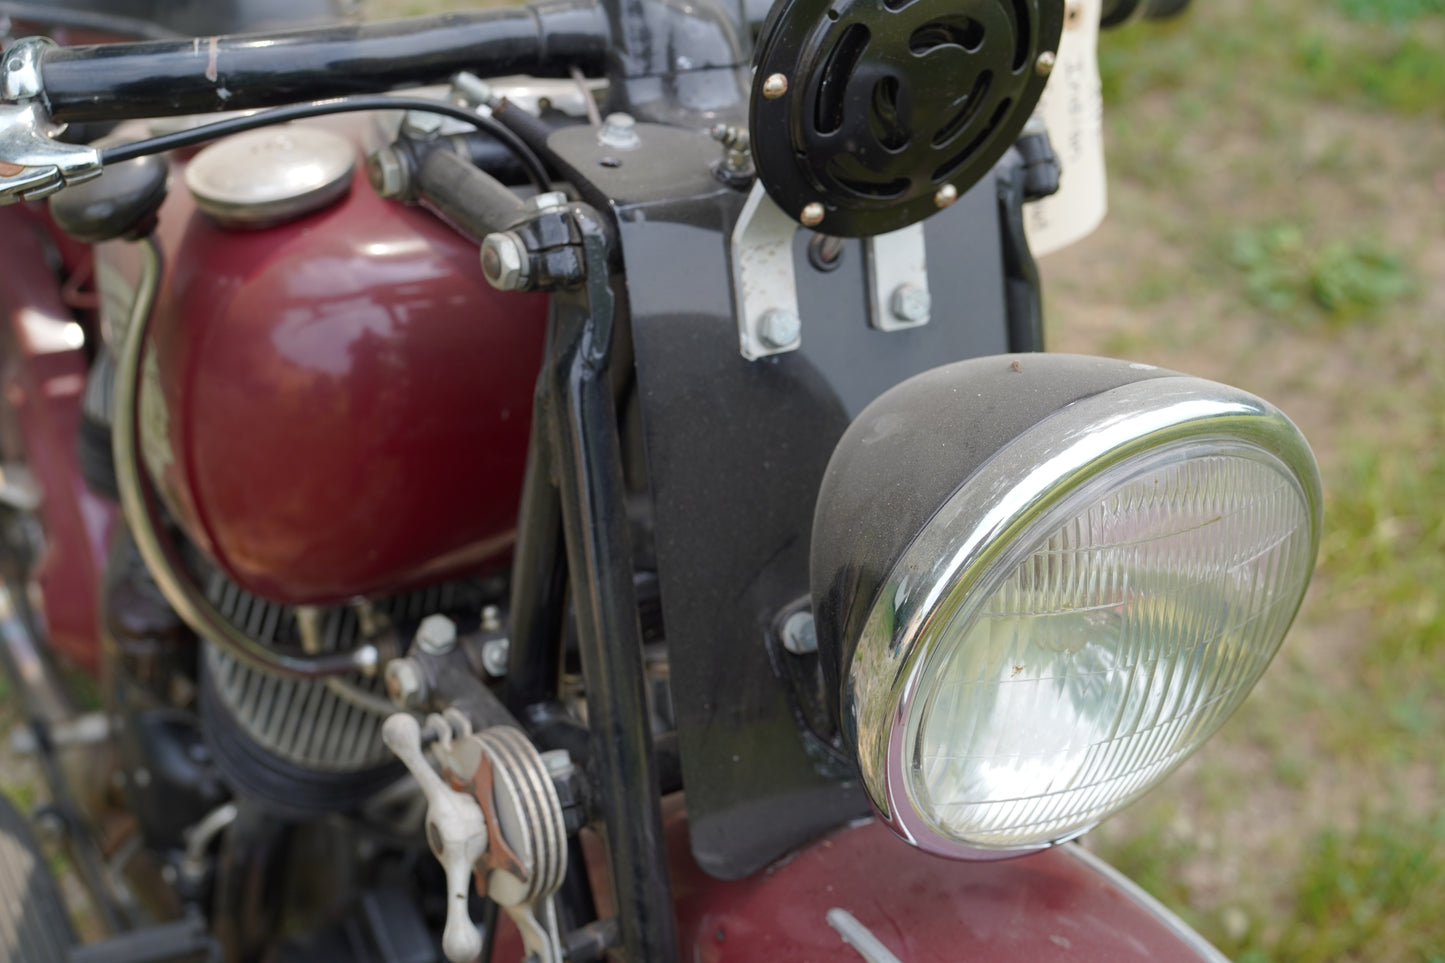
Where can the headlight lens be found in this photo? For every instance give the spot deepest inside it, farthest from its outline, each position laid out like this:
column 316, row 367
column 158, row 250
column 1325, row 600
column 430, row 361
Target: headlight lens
column 1129, row 623
column 1041, row 615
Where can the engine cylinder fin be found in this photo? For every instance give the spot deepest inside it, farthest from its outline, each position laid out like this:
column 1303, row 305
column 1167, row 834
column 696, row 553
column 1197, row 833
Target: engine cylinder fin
column 298, row 726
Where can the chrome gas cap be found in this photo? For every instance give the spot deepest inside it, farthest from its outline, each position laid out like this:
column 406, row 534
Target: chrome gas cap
column 265, row 177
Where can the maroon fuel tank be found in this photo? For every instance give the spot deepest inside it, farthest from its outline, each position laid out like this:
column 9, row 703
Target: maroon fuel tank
column 339, row 405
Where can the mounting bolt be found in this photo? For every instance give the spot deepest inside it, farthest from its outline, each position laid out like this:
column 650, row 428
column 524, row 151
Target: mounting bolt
column 389, row 175
column 775, row 86
column 910, row 304
column 405, row 685
column 779, row 328
column 946, row 195
column 546, row 201
column 437, row 635
column 494, row 656
column 1045, row 64
column 505, row 261
column 800, row 634
column 618, row 131
column 812, row 214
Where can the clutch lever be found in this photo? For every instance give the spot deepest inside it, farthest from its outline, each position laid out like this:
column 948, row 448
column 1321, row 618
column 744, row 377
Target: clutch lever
column 33, row 163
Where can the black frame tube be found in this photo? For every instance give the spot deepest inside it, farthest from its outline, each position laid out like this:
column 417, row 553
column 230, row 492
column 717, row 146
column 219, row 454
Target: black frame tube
column 539, row 577
column 208, row 74
column 587, row 455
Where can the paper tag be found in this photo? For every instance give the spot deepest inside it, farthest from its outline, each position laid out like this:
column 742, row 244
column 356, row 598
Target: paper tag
column 1073, row 110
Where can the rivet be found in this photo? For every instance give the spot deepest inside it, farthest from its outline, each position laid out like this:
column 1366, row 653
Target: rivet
column 812, row 214
column 775, row 86
column 946, row 195
column 1045, row 64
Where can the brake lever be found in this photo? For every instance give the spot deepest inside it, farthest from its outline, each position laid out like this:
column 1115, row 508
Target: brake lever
column 33, row 163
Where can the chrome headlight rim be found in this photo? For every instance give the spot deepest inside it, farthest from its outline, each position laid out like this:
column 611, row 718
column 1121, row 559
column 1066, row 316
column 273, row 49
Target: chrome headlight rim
column 945, row 566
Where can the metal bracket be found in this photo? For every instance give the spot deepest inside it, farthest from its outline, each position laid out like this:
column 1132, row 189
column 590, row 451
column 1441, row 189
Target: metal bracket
column 32, row 163
column 765, row 290
column 897, row 269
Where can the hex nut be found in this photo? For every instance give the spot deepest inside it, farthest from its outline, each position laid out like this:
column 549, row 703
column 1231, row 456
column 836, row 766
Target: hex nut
column 405, row 685
column 495, row 653
column 910, row 304
column 505, row 262
column 388, row 173
column 559, row 763
column 618, row 131
column 800, row 633
column 546, row 201
column 436, row 635
column 779, row 328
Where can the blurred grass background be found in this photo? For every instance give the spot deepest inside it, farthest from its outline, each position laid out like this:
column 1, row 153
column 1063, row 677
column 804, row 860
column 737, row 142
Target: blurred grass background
column 1278, row 222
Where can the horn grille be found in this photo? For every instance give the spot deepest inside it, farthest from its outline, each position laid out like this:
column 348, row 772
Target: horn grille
column 889, row 100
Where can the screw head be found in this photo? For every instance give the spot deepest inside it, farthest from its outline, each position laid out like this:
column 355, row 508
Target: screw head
column 1045, row 64
column 800, row 634
column 494, row 656
column 436, row 635
column 910, row 304
column 504, row 261
column 812, row 215
column 779, row 328
column 946, row 195
column 405, row 685
column 775, row 86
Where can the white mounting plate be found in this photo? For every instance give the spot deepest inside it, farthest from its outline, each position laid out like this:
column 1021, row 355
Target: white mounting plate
column 892, row 261
column 762, row 269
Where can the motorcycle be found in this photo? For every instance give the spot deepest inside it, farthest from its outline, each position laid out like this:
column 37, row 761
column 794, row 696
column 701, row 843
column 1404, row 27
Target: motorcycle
column 610, row 503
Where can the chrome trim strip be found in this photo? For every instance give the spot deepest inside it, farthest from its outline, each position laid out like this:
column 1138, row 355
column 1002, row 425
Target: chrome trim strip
column 1208, row 953
column 858, row 936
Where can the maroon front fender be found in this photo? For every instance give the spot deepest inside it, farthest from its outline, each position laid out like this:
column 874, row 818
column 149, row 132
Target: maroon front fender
column 1060, row 905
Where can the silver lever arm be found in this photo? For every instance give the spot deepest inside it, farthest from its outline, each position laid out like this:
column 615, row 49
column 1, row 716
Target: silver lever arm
column 33, row 164
column 455, row 830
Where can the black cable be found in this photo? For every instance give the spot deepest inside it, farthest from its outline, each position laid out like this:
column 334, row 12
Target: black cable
column 114, row 24
column 532, row 164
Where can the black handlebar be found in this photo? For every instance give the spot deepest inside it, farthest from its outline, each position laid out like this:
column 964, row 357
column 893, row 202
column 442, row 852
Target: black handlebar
column 208, row 74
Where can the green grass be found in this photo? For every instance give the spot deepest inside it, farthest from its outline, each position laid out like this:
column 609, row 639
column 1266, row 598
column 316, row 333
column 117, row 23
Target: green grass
column 1341, row 280
column 1276, row 208
column 1357, row 891
column 1393, row 11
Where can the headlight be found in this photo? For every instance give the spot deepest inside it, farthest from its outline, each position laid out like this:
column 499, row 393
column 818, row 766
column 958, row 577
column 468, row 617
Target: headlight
column 1040, row 585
